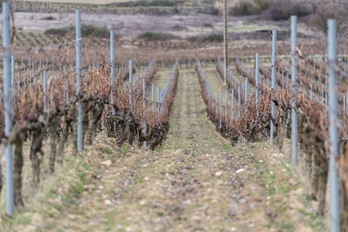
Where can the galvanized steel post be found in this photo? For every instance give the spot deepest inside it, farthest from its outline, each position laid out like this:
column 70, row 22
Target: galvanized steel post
column 144, row 105
column 239, row 102
column 216, row 102
column 346, row 97
column 112, row 76
column 274, row 51
column 220, row 124
column 159, row 100
column 130, row 64
column 246, row 92
column 78, row 81
column 232, row 104
column 257, row 77
column 294, row 127
column 226, row 103
column 153, row 96
column 333, row 128
column 6, row 43
column 45, row 90
column 12, row 70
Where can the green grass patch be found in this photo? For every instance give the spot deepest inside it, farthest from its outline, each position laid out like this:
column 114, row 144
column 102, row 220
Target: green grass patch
column 162, row 3
column 267, row 179
column 77, row 189
column 226, row 147
column 158, row 148
column 212, row 38
column 86, row 31
column 48, row 18
column 289, row 226
column 23, row 220
column 309, row 197
column 50, row 200
column 313, row 220
column 106, row 150
column 113, row 219
column 156, row 36
column 139, row 179
column 58, row 207
column 52, row 193
column 82, row 177
column 304, row 213
column 92, row 31
column 86, row 166
column 285, row 187
column 58, row 31
column 124, row 149
column 205, row 120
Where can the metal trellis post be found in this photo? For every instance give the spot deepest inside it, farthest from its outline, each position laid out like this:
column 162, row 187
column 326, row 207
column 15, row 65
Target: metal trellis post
column 144, row 104
column 274, row 50
column 113, row 76
column 294, row 127
column 78, row 82
column 130, row 65
column 333, row 128
column 6, row 43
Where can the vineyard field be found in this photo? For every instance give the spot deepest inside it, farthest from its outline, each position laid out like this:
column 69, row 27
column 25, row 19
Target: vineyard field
column 145, row 116
column 197, row 179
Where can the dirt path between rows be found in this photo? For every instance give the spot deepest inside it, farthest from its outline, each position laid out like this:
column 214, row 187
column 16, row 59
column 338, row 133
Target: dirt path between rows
column 195, row 182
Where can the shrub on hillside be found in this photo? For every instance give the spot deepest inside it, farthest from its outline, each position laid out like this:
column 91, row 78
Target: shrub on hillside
column 161, row 3
column 86, row 31
column 156, row 36
column 92, row 31
column 243, row 8
column 212, row 38
column 269, row 9
column 263, row 4
column 48, row 18
column 283, row 10
column 326, row 11
column 61, row 32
